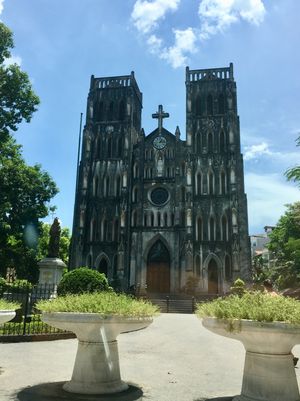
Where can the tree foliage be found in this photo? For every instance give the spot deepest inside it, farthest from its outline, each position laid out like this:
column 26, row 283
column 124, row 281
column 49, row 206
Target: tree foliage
column 293, row 174
column 25, row 191
column 285, row 247
column 17, row 99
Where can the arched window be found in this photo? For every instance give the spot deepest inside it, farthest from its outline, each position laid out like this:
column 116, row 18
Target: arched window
column 109, row 147
column 221, row 104
column 135, row 170
column 199, row 233
column 110, row 113
column 118, row 186
column 223, row 183
column 145, row 220
column 172, row 219
column 198, row 143
column 122, row 110
column 165, row 219
column 199, row 183
column 116, row 230
column 152, row 219
column 96, row 186
column 211, row 228
column 204, row 140
column 92, row 229
column 198, row 110
column 211, row 183
column 89, row 261
column 210, row 146
column 134, row 195
column 222, row 142
column 224, row 229
column 228, row 273
column 100, row 111
column 134, row 219
column 209, row 105
column 158, row 219
column 119, row 147
column 197, row 266
column 104, row 230
column 109, row 231
column 107, row 186
column 182, row 194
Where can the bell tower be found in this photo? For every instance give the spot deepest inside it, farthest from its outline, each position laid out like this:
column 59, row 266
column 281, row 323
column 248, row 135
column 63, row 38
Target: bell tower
column 102, row 212
column 220, row 234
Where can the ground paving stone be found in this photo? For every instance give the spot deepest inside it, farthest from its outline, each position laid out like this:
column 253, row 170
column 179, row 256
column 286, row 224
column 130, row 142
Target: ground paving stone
column 174, row 359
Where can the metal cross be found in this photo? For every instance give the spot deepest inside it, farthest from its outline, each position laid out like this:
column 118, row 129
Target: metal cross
column 160, row 115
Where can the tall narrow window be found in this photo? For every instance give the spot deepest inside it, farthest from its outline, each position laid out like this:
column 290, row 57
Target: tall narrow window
column 198, row 106
column 221, row 104
column 199, row 233
column 122, row 110
column 118, row 186
column 223, row 183
column 198, row 266
column 119, row 147
column 158, row 219
column 165, row 219
column 198, row 143
column 145, row 219
column 211, row 229
column 210, row 145
column 134, row 218
column 210, row 183
column 107, row 186
column 110, row 113
column 209, row 105
column 100, row 112
column 182, row 194
column 199, row 184
column 116, row 230
column 224, row 229
column 152, row 219
column 109, row 147
column 222, row 142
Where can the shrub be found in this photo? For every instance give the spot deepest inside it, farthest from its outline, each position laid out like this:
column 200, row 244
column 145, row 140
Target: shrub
column 238, row 287
column 2, row 285
column 18, row 286
column 104, row 303
column 5, row 305
column 262, row 307
column 82, row 280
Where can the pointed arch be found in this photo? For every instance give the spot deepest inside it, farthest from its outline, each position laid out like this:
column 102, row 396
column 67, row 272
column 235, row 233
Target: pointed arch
column 134, row 218
column 223, row 188
column 211, row 182
column 199, row 229
column 198, row 183
column 212, row 228
column 102, row 263
column 213, row 265
column 224, row 228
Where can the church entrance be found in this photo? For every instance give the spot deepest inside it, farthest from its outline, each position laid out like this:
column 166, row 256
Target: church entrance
column 212, row 273
column 158, row 269
column 102, row 268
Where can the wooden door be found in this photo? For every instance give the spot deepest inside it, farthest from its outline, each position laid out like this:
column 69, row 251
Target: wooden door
column 158, row 277
column 213, row 281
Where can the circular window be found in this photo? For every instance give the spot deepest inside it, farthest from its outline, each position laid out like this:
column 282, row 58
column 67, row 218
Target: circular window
column 159, row 196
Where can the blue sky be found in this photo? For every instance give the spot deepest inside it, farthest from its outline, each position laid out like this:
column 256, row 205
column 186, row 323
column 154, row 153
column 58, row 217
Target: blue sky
column 60, row 43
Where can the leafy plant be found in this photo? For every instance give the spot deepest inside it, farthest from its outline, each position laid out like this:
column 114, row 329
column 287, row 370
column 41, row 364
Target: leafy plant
column 19, row 285
column 258, row 306
column 104, row 303
column 82, row 280
column 238, row 287
column 5, row 305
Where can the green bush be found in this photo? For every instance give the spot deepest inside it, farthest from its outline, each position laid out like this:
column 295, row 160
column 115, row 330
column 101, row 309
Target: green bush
column 5, row 305
column 104, row 303
column 258, row 306
column 82, row 280
column 18, row 286
column 2, row 285
column 238, row 287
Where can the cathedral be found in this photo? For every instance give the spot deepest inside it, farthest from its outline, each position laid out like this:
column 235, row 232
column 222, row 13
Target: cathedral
column 155, row 211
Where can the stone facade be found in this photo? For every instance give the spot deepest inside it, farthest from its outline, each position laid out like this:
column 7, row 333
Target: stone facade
column 157, row 212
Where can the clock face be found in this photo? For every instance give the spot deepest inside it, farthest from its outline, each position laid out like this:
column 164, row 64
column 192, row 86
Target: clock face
column 159, row 142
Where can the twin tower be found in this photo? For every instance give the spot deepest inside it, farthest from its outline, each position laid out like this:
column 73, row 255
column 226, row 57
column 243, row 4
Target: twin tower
column 159, row 213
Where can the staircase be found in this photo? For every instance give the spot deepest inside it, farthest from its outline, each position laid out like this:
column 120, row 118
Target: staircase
column 178, row 303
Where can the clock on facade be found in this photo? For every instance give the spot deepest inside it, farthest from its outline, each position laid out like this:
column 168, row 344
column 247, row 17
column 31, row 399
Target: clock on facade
column 159, row 142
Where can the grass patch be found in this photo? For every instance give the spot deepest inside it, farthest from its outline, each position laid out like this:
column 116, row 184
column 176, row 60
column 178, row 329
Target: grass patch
column 104, row 303
column 257, row 306
column 5, row 305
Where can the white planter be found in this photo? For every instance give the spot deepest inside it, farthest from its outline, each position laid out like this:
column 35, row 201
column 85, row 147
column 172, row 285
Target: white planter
column 269, row 373
column 6, row 315
column 96, row 369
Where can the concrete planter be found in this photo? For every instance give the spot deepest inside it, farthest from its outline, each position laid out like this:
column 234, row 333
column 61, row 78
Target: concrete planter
column 269, row 373
column 96, row 369
column 6, row 315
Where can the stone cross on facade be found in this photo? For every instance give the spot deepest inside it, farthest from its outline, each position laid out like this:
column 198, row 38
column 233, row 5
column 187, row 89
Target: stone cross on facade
column 160, row 115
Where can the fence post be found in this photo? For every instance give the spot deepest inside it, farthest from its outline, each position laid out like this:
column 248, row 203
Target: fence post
column 168, row 302
column 25, row 310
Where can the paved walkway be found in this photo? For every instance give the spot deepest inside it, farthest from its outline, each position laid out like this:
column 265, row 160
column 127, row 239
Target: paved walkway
column 174, row 359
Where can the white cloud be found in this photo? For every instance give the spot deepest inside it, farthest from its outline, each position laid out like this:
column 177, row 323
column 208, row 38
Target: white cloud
column 217, row 15
column 13, row 60
column 1, row 5
column 146, row 14
column 267, row 196
column 254, row 151
column 185, row 41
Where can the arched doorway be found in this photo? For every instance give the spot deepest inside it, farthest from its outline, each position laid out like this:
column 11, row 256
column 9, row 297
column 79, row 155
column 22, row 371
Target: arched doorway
column 212, row 276
column 158, row 269
column 102, row 267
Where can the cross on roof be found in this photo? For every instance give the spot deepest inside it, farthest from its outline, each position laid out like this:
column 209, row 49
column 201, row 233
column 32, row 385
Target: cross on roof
column 160, row 115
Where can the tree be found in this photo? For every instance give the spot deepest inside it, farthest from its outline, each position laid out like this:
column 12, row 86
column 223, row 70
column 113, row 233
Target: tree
column 285, row 246
column 63, row 244
column 293, row 174
column 25, row 190
column 17, row 100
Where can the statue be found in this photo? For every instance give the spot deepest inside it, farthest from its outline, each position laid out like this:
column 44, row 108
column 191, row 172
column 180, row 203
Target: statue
column 53, row 247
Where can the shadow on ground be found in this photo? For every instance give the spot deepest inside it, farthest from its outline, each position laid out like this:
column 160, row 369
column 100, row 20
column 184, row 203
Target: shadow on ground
column 54, row 392
column 216, row 399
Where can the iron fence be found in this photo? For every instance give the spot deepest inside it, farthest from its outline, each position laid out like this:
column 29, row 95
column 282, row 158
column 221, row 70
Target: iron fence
column 27, row 321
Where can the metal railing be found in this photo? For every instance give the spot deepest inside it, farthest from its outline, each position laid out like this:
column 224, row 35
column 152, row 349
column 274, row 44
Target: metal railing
column 28, row 318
